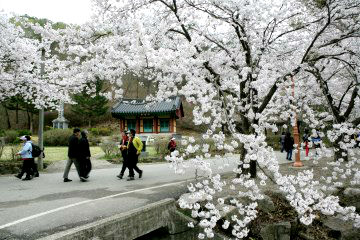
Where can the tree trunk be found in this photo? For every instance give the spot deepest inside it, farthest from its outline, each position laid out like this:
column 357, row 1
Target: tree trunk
column 17, row 115
column 7, row 117
column 339, row 151
column 89, row 122
column 251, row 169
column 32, row 122
column 28, row 120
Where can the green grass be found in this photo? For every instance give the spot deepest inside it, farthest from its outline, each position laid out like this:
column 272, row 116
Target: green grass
column 54, row 153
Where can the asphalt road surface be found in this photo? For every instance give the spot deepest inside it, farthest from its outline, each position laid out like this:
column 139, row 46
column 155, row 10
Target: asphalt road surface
column 46, row 205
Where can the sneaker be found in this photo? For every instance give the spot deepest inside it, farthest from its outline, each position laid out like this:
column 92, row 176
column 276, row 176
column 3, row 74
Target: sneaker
column 18, row 176
column 36, row 175
column 119, row 176
column 140, row 174
column 130, row 179
column 86, row 177
column 67, row 180
column 82, row 179
column 27, row 178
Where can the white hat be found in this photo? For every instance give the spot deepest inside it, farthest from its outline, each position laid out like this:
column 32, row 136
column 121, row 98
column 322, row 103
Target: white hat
column 23, row 138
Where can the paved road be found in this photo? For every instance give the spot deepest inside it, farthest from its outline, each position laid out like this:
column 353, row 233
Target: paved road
column 45, row 205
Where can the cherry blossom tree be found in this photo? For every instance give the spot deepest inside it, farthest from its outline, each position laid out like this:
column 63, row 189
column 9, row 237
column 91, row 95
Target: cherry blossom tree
column 24, row 55
column 235, row 60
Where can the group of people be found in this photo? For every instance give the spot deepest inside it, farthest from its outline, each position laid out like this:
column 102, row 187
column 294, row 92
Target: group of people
column 287, row 143
column 29, row 166
column 79, row 154
column 130, row 147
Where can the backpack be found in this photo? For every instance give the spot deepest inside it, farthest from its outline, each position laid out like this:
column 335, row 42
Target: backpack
column 36, row 151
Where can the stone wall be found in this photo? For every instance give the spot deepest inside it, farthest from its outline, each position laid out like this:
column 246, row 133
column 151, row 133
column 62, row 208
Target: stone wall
column 123, row 226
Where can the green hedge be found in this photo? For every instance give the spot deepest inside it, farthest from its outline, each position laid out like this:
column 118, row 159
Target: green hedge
column 57, row 137
column 102, row 131
column 60, row 137
column 11, row 136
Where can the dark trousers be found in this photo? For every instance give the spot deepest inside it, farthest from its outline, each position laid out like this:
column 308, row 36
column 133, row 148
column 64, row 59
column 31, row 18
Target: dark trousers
column 125, row 162
column 35, row 169
column 85, row 167
column 27, row 168
column 289, row 154
column 132, row 165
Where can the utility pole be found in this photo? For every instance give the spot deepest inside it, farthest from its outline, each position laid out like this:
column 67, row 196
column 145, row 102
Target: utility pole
column 297, row 162
column 41, row 115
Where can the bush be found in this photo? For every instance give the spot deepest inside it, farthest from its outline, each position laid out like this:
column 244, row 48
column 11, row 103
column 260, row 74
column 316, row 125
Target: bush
column 23, row 132
column 10, row 136
column 160, row 145
column 93, row 140
column 103, row 131
column 274, row 141
column 57, row 137
column 110, row 149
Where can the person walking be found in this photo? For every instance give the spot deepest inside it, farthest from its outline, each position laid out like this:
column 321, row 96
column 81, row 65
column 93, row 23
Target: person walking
column 124, row 153
column 316, row 140
column 73, row 154
column 282, row 141
column 84, row 155
column 288, row 145
column 26, row 157
column 172, row 145
column 306, row 142
column 134, row 149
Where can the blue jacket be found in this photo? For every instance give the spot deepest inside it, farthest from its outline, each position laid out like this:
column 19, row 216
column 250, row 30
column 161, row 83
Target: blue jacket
column 26, row 150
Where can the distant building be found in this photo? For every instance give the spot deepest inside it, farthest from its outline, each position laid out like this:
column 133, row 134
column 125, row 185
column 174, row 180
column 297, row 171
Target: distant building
column 144, row 117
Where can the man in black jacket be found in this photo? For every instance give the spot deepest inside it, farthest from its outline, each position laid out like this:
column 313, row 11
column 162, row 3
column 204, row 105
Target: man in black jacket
column 73, row 154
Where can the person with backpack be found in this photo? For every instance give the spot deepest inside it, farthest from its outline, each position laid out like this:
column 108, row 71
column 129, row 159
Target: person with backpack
column 124, row 153
column 27, row 158
column 134, row 148
column 36, row 152
column 172, row 145
column 288, row 145
column 84, row 155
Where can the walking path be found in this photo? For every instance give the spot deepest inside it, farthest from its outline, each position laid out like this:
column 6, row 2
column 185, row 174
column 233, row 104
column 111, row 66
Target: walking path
column 45, row 205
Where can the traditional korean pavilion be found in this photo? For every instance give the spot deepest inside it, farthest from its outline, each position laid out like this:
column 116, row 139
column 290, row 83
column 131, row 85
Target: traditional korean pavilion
column 145, row 117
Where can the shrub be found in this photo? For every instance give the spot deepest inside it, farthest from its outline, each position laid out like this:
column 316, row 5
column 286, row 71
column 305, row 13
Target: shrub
column 2, row 132
column 23, row 132
column 103, row 131
column 110, row 149
column 57, row 137
column 93, row 140
column 10, row 136
column 160, row 145
column 274, row 141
